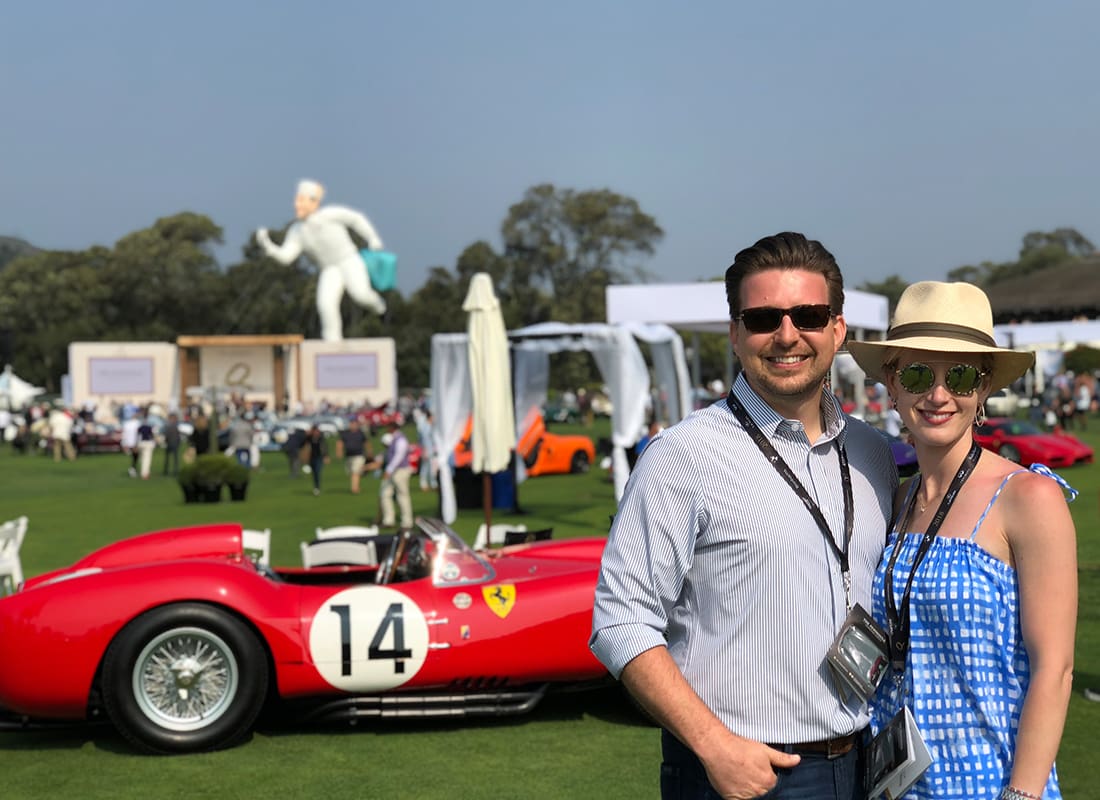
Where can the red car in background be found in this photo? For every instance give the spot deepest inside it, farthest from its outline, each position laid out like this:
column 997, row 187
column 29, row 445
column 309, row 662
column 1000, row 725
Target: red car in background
column 96, row 437
column 180, row 639
column 381, row 416
column 1021, row 441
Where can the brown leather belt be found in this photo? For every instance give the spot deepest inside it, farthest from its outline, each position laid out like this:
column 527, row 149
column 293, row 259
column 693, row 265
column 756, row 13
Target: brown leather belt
column 830, row 748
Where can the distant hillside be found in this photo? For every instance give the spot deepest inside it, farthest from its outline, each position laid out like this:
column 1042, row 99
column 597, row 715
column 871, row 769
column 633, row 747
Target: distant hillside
column 11, row 248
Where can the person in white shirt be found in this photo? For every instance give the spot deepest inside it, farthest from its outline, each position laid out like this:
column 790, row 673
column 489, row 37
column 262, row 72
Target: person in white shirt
column 322, row 234
column 891, row 421
column 129, row 441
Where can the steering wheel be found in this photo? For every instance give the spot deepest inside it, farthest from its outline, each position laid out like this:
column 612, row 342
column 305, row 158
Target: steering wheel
column 388, row 568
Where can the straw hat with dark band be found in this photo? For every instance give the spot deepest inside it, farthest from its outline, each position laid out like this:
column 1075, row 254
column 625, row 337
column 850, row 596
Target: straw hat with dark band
column 943, row 318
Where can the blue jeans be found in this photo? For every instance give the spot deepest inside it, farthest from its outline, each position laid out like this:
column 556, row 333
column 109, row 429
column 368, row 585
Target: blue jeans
column 815, row 778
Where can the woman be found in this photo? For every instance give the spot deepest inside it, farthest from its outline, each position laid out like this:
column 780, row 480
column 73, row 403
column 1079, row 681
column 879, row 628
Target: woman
column 990, row 612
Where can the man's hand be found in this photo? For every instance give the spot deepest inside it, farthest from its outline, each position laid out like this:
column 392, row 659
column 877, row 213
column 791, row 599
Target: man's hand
column 738, row 768
column 746, row 769
column 262, row 236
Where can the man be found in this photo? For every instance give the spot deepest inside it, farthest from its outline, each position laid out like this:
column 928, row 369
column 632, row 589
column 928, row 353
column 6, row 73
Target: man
column 720, row 592
column 172, row 444
column 129, row 440
column 61, row 434
column 322, row 234
column 396, row 473
column 295, row 439
column 353, row 447
column 429, row 480
column 240, row 439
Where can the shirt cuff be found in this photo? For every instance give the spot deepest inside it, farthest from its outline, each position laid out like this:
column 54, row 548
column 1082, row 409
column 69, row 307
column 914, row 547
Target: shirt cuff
column 617, row 645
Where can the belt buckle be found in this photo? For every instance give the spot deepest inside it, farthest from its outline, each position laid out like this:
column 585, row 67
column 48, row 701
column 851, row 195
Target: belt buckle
column 835, row 748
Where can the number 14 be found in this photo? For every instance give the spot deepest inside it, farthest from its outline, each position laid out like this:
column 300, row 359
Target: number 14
column 394, row 618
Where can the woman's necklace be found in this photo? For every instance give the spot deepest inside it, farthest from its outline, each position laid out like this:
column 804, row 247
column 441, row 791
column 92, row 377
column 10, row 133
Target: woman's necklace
column 923, row 504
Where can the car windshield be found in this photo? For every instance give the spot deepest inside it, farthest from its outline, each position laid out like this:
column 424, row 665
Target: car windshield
column 1020, row 428
column 454, row 562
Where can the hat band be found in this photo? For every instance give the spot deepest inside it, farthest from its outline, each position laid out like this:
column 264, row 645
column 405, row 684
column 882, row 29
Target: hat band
column 941, row 330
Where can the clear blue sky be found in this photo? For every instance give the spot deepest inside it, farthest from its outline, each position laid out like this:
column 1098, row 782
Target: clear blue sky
column 910, row 138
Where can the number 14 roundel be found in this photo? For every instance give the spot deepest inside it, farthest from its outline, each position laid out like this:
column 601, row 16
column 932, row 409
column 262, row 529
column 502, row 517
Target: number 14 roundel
column 368, row 639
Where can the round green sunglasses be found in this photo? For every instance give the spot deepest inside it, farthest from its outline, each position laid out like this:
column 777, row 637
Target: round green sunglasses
column 960, row 379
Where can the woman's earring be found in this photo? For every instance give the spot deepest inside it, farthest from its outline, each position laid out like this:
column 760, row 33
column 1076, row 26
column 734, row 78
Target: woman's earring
column 980, row 418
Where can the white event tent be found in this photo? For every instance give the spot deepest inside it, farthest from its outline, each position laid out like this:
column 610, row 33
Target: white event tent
column 618, row 356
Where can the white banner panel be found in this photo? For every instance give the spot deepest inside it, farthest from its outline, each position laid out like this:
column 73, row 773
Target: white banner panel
column 120, row 375
column 346, row 370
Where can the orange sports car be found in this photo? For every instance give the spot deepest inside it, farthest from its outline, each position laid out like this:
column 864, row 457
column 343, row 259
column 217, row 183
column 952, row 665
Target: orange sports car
column 543, row 452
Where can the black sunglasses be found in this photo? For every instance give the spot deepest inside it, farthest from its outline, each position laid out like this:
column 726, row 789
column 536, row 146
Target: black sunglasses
column 766, row 319
column 960, row 379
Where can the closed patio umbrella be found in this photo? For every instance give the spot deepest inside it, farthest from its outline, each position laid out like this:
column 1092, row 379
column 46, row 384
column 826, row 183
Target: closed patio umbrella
column 494, row 435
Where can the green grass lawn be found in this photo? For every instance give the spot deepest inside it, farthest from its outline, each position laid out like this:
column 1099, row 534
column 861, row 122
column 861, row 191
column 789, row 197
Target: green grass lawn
column 582, row 745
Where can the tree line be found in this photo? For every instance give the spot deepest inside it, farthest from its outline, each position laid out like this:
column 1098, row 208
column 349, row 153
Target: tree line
column 560, row 249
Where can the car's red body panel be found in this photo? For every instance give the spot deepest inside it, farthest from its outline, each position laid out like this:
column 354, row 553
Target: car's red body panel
column 1022, row 441
column 522, row 615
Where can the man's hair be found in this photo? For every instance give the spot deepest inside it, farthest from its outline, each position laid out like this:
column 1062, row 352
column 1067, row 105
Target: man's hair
column 311, row 189
column 785, row 250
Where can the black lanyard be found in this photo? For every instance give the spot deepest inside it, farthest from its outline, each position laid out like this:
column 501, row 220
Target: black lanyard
column 788, row 475
column 899, row 621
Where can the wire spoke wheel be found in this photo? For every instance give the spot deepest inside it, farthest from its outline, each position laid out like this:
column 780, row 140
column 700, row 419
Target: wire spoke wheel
column 185, row 678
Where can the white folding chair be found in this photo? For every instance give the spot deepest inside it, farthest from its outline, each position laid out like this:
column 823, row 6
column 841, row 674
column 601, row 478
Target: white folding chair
column 496, row 534
column 346, row 531
column 12, row 534
column 257, row 545
column 339, row 552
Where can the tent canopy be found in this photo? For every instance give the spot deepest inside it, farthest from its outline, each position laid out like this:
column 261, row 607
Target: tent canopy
column 618, row 356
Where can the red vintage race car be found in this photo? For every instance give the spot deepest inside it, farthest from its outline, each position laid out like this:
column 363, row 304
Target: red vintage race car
column 180, row 639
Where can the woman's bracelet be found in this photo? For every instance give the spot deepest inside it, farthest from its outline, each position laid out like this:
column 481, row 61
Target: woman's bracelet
column 1012, row 793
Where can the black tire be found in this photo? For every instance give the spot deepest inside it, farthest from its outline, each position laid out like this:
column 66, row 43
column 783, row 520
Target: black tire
column 579, row 463
column 1011, row 452
column 184, row 678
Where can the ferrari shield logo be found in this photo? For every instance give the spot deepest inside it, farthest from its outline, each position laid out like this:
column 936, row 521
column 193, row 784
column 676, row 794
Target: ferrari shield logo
column 500, row 598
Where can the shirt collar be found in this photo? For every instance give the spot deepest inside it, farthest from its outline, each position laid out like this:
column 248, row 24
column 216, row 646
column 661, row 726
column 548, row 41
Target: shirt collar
column 769, row 421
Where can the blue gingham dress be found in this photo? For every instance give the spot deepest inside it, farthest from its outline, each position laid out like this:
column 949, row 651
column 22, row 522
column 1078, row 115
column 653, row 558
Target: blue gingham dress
column 967, row 671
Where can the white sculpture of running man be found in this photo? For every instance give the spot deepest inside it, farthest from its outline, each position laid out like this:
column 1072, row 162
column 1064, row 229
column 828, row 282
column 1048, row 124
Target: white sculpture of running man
column 322, row 234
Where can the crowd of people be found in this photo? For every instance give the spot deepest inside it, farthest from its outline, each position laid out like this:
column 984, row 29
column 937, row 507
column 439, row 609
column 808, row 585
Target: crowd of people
column 237, row 428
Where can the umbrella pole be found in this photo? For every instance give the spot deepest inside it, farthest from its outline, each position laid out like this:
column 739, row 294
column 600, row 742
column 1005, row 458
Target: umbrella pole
column 487, row 504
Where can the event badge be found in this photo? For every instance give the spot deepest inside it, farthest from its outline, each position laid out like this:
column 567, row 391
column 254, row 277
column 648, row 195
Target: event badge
column 896, row 758
column 860, row 654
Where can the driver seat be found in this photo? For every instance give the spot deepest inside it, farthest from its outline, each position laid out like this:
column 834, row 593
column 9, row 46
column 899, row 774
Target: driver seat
column 496, row 534
column 12, row 534
column 339, row 552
